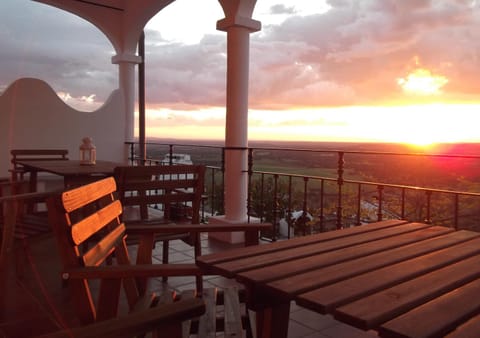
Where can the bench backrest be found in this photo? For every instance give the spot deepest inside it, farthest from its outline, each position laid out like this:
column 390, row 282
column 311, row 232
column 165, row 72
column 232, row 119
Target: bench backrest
column 171, row 188
column 87, row 227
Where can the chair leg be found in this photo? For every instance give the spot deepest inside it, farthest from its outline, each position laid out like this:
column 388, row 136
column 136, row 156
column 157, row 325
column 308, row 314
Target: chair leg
column 165, row 256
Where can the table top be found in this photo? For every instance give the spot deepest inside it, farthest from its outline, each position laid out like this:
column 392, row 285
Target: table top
column 402, row 279
column 71, row 167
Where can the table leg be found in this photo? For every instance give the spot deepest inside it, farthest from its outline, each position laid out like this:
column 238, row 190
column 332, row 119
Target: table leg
column 272, row 322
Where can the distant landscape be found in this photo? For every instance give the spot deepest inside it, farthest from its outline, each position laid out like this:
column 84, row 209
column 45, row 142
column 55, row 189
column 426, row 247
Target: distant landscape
column 444, row 166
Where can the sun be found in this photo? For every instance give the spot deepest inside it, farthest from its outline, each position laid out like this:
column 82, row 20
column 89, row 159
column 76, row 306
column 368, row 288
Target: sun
column 422, row 82
column 420, row 141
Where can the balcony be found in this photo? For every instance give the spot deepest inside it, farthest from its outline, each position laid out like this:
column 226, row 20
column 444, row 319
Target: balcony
column 301, row 191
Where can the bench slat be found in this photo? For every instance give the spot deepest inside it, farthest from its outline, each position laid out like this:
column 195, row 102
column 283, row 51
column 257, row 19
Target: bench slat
column 99, row 252
column 79, row 197
column 90, row 225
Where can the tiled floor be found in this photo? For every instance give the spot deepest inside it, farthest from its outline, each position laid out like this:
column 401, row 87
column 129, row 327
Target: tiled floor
column 38, row 301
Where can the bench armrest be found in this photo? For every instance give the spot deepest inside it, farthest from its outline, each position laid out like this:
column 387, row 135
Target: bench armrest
column 138, row 322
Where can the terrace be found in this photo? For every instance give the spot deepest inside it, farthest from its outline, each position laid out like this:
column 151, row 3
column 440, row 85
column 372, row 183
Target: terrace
column 314, row 191
column 333, row 202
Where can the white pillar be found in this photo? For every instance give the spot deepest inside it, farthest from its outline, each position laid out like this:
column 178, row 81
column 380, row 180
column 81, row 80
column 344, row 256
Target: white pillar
column 236, row 130
column 126, row 74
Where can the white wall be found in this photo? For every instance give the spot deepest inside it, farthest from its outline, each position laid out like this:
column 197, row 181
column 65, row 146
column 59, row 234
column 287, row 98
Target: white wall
column 33, row 116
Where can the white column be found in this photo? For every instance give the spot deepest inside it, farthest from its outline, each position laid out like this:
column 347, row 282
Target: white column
column 126, row 75
column 236, row 130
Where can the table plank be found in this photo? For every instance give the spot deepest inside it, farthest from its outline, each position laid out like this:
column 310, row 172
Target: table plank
column 437, row 317
column 211, row 259
column 298, row 252
column 327, row 298
column 470, row 329
column 378, row 308
column 302, row 282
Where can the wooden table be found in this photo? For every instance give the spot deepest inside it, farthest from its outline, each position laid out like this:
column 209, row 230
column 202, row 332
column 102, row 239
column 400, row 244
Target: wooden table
column 398, row 278
column 72, row 171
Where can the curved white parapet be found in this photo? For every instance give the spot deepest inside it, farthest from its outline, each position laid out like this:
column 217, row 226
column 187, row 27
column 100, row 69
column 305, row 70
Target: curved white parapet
column 33, row 116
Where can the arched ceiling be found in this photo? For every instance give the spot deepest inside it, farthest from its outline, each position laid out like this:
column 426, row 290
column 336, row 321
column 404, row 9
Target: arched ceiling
column 122, row 21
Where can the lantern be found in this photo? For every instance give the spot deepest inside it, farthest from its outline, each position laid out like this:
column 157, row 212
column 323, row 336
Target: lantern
column 88, row 152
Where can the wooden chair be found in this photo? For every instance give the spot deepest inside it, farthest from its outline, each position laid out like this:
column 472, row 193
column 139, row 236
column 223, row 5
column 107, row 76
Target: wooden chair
column 162, row 195
column 167, row 201
column 18, row 172
column 92, row 213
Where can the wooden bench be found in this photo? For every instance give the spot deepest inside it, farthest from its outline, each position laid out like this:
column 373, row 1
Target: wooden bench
column 92, row 213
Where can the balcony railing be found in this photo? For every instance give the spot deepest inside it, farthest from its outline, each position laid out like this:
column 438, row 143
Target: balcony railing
column 304, row 191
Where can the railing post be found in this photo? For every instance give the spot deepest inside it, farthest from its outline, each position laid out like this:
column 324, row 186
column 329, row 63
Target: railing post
column 289, row 208
column 262, row 200
column 132, row 152
column 455, row 212
column 403, row 204
column 359, row 204
column 213, row 192
column 223, row 179
column 249, row 189
column 429, row 197
column 380, row 203
column 305, row 196
column 341, row 163
column 170, row 151
column 275, row 207
column 322, row 202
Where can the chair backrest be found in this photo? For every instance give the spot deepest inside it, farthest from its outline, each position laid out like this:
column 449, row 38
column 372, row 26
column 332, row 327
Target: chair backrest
column 38, row 154
column 87, row 227
column 33, row 155
column 175, row 189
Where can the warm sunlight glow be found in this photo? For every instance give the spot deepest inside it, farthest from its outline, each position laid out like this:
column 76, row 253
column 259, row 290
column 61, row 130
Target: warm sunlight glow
column 418, row 125
column 422, row 82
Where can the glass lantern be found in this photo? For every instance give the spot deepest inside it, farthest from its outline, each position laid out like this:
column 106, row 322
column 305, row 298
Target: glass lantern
column 88, row 152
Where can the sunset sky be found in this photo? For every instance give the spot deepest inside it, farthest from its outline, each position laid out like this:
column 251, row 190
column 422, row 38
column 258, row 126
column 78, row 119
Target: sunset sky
column 320, row 70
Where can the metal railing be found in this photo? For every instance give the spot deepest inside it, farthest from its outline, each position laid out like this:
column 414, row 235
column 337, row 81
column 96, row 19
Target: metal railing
column 368, row 187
